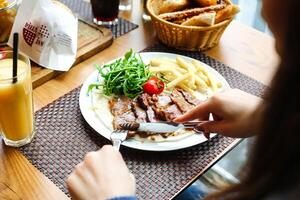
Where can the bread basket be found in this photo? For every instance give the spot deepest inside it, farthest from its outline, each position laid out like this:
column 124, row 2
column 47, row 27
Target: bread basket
column 191, row 38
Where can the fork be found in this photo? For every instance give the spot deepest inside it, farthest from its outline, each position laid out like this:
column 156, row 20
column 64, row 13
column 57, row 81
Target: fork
column 117, row 137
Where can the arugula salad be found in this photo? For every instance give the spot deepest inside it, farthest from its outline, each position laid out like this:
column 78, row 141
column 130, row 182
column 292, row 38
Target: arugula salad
column 127, row 76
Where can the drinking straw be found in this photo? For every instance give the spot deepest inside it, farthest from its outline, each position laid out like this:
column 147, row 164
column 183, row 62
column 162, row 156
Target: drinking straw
column 15, row 57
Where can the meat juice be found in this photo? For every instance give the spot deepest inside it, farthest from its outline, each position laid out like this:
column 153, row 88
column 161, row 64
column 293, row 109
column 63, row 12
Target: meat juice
column 105, row 11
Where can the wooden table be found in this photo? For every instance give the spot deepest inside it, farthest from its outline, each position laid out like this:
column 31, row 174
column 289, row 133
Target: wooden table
column 243, row 48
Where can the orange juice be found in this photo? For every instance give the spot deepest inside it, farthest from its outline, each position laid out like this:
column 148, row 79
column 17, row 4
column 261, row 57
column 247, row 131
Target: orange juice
column 16, row 108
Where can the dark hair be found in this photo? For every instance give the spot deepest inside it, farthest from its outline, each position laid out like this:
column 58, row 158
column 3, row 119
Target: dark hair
column 274, row 163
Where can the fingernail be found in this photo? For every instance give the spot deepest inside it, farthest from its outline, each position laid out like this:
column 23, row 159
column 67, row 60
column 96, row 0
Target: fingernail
column 207, row 135
column 202, row 130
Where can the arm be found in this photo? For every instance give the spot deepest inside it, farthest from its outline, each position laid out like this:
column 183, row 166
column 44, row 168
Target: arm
column 235, row 114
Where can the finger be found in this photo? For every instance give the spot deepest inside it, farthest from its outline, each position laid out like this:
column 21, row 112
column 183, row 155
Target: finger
column 207, row 135
column 92, row 162
column 199, row 112
column 200, row 129
column 109, row 152
column 75, row 186
column 85, row 173
column 132, row 176
column 111, row 158
column 220, row 127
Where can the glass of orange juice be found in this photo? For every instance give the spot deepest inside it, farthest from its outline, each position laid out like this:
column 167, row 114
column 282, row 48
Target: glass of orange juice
column 16, row 107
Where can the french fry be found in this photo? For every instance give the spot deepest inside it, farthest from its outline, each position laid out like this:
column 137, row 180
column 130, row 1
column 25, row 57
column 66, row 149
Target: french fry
column 190, row 68
column 165, row 70
column 168, row 63
column 186, row 88
column 219, row 84
column 158, row 62
column 201, row 83
column 190, row 76
column 176, row 81
column 203, row 77
column 212, row 82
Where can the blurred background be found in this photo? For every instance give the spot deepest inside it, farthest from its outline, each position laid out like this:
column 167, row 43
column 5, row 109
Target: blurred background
column 226, row 171
column 250, row 14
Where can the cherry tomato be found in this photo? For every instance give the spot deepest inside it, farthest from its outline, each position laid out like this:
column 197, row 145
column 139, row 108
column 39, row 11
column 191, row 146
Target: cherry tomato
column 153, row 86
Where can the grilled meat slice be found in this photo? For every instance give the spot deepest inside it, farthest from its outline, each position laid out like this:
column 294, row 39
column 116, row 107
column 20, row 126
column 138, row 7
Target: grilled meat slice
column 178, row 98
column 161, row 100
column 164, row 108
column 171, row 112
column 151, row 117
column 189, row 98
column 143, row 102
column 121, row 109
column 151, row 108
column 142, row 99
column 140, row 113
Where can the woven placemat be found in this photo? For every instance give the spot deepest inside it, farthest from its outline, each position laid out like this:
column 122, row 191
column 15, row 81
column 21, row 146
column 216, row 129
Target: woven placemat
column 83, row 9
column 63, row 138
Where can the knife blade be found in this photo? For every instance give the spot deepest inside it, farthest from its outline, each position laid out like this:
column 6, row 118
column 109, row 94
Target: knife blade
column 159, row 127
column 154, row 127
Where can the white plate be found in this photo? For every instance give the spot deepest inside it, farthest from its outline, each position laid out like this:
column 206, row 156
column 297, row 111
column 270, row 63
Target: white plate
column 93, row 120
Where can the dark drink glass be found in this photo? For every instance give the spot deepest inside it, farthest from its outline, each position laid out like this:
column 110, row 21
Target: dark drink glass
column 105, row 11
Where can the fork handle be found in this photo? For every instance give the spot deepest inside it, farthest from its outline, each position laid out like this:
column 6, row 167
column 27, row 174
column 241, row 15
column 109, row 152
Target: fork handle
column 116, row 144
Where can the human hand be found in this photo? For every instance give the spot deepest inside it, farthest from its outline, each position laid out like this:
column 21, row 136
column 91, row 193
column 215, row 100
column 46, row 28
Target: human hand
column 234, row 114
column 102, row 175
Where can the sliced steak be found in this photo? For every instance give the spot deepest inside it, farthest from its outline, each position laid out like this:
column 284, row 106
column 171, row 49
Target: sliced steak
column 164, row 107
column 178, row 98
column 140, row 113
column 171, row 112
column 161, row 100
column 151, row 117
column 143, row 100
column 151, row 108
column 122, row 111
column 189, row 98
column 144, row 103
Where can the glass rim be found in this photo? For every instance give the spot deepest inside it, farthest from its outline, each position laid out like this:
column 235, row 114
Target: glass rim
column 27, row 61
column 11, row 5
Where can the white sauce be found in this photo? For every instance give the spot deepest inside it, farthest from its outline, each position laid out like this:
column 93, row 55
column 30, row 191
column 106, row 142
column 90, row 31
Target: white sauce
column 101, row 109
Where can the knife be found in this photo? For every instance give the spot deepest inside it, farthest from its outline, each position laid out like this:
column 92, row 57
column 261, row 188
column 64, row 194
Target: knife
column 160, row 127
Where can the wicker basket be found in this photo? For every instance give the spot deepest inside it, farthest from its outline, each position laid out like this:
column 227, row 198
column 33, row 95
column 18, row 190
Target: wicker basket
column 189, row 38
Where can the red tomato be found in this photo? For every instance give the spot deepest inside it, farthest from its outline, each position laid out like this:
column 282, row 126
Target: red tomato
column 153, row 86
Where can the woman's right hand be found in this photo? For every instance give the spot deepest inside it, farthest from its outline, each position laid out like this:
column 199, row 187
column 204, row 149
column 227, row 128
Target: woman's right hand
column 102, row 175
column 234, row 114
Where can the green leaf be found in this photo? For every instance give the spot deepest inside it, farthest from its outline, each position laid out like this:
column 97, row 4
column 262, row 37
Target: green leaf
column 92, row 86
column 126, row 76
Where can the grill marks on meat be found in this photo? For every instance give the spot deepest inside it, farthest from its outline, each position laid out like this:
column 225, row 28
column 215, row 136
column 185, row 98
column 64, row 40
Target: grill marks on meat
column 140, row 113
column 121, row 109
column 164, row 107
column 193, row 101
column 143, row 100
column 178, row 98
column 151, row 108
column 151, row 115
column 171, row 112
